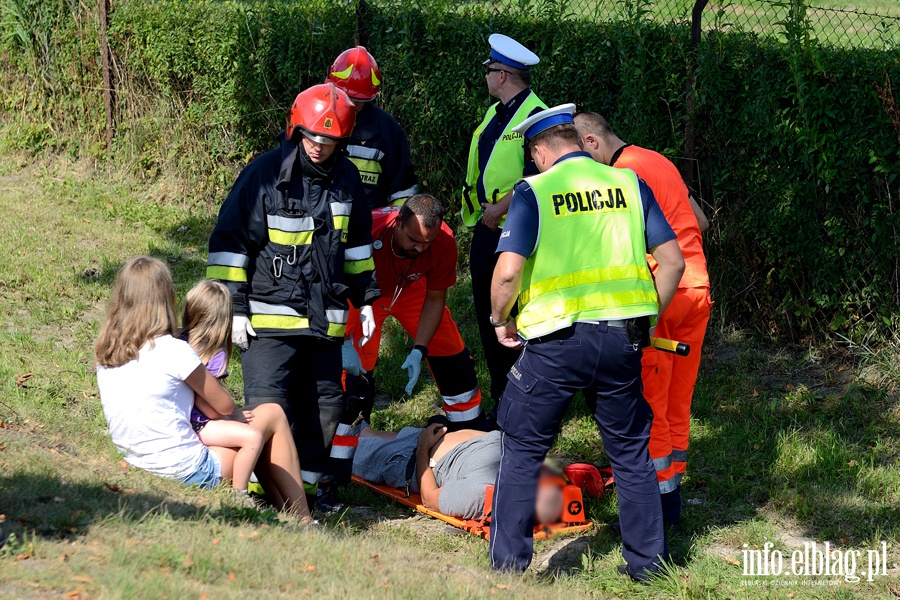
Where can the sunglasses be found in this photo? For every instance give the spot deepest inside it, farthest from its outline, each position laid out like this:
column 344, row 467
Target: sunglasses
column 489, row 69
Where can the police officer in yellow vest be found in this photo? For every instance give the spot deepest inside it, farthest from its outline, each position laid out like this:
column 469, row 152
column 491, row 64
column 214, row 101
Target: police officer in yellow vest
column 573, row 253
column 496, row 162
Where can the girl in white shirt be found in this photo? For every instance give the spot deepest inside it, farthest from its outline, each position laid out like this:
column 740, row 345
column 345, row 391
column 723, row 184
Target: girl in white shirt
column 149, row 380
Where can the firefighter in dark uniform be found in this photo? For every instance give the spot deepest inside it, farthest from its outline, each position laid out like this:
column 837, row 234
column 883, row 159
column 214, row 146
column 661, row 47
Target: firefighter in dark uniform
column 496, row 162
column 378, row 145
column 293, row 242
column 379, row 148
column 574, row 255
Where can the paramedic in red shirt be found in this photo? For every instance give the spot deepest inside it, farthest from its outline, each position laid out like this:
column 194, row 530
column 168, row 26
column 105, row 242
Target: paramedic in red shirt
column 668, row 379
column 415, row 260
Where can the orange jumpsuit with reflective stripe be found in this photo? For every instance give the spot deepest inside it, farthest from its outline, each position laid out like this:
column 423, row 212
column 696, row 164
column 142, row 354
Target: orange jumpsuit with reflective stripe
column 405, row 285
column 668, row 379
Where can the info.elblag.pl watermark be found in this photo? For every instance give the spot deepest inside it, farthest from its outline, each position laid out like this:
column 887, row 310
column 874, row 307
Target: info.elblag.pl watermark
column 813, row 564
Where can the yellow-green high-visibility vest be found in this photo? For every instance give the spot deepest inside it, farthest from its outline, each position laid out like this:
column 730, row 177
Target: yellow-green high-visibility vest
column 504, row 166
column 590, row 260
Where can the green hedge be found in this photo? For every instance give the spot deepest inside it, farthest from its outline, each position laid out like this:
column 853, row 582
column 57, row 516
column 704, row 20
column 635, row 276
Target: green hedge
column 50, row 77
column 797, row 158
column 802, row 166
column 207, row 84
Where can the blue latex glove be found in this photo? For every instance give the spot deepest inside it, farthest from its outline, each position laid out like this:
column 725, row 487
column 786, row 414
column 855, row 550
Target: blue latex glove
column 413, row 366
column 350, row 358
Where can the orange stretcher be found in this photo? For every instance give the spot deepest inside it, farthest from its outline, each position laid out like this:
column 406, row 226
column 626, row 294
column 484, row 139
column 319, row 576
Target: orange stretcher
column 572, row 520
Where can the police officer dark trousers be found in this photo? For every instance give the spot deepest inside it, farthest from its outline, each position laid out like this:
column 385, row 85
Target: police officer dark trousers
column 496, row 161
column 574, row 257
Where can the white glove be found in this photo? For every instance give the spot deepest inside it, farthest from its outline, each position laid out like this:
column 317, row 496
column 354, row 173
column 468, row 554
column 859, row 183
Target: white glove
column 367, row 320
column 413, row 366
column 350, row 358
column 240, row 329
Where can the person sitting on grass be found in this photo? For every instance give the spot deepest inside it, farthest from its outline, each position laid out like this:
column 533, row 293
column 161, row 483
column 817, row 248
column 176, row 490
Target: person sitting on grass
column 449, row 470
column 149, row 380
column 206, row 326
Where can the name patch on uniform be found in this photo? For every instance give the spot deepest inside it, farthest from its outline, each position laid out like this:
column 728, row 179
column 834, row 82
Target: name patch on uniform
column 589, row 201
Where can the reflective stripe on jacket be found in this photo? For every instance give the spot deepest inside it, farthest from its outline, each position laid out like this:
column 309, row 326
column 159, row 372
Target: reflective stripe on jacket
column 293, row 243
column 380, row 150
column 504, row 166
column 590, row 260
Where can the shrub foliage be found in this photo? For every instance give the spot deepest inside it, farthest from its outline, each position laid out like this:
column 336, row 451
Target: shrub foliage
column 797, row 158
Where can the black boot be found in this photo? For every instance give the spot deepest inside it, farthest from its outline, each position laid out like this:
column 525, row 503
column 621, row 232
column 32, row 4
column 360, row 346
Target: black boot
column 327, row 500
column 360, row 396
column 671, row 509
column 479, row 423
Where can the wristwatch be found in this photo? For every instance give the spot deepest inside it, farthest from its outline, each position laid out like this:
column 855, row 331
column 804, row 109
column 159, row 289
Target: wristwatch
column 422, row 349
column 495, row 323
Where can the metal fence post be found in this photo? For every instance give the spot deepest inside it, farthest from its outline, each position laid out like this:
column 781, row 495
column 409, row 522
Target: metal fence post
column 109, row 99
column 360, row 36
column 688, row 170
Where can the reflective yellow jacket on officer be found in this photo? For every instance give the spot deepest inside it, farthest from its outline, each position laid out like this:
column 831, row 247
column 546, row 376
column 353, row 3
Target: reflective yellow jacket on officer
column 505, row 165
column 589, row 263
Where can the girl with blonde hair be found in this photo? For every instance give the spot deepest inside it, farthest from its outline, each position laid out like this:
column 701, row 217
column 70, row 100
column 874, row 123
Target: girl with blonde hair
column 149, row 380
column 206, row 326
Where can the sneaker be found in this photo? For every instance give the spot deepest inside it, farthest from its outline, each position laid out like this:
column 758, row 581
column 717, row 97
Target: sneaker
column 327, row 500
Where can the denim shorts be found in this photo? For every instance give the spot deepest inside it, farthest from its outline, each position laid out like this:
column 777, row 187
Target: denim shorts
column 385, row 461
column 208, row 474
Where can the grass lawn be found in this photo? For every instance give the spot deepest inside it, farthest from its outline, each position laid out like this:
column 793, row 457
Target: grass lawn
column 788, row 447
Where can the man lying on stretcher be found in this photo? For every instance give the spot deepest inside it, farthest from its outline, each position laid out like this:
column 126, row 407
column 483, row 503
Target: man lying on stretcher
column 449, row 470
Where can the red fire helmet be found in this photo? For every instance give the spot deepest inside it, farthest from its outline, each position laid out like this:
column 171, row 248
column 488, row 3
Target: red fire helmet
column 356, row 72
column 323, row 112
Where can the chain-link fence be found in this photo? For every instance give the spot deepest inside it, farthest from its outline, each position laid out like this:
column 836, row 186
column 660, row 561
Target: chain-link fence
column 827, row 21
column 774, row 111
column 855, row 28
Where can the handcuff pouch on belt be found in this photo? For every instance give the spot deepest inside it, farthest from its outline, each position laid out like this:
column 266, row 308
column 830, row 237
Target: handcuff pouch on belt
column 638, row 331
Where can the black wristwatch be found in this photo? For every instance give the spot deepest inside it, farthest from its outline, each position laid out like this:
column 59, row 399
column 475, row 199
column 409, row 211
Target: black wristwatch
column 422, row 349
column 495, row 323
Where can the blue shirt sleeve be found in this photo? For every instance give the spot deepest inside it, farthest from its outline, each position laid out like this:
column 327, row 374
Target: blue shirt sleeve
column 521, row 230
column 657, row 229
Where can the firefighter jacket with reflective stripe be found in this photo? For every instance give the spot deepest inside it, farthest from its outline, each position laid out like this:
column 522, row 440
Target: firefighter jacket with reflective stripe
column 379, row 149
column 293, row 243
column 504, row 166
column 590, row 262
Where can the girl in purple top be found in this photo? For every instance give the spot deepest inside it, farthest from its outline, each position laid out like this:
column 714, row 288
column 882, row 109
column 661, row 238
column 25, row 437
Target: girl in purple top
column 206, row 326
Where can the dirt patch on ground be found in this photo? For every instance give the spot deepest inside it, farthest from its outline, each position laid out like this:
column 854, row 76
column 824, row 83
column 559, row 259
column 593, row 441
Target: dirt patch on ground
column 782, row 368
column 564, row 555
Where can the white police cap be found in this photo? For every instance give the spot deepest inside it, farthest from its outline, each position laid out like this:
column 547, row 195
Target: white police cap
column 511, row 53
column 545, row 119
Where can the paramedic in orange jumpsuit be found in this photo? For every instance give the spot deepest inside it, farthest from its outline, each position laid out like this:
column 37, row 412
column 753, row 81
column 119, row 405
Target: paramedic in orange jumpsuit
column 668, row 380
column 415, row 259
